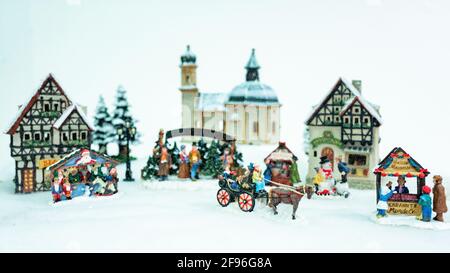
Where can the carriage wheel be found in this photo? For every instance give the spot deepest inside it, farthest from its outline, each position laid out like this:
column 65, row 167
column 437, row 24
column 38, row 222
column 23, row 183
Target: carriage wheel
column 246, row 202
column 223, row 197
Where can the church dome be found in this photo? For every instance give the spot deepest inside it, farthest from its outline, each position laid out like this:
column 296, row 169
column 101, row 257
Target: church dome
column 188, row 56
column 252, row 90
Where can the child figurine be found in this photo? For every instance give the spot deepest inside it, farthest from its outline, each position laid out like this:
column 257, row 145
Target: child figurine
column 439, row 200
column 56, row 189
column 318, row 178
column 382, row 205
column 258, row 179
column 425, row 203
column 195, row 160
column 67, row 189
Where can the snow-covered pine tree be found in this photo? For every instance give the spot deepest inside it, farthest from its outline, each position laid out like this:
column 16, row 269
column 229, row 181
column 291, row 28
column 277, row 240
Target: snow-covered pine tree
column 104, row 131
column 151, row 169
column 213, row 165
column 121, row 115
column 203, row 149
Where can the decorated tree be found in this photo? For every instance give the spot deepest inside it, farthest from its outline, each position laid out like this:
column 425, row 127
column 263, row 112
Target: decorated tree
column 104, row 132
column 151, row 169
column 213, row 164
column 122, row 116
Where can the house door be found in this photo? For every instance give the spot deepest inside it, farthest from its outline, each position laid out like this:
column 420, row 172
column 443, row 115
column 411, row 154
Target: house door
column 27, row 180
column 329, row 153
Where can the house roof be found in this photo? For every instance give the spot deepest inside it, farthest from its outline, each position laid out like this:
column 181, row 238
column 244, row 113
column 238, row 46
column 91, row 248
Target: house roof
column 317, row 107
column 71, row 159
column 23, row 110
column 281, row 153
column 369, row 107
column 212, row 101
column 66, row 114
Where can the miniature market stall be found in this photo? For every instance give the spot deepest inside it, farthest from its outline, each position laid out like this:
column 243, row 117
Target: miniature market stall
column 279, row 162
column 82, row 168
column 400, row 165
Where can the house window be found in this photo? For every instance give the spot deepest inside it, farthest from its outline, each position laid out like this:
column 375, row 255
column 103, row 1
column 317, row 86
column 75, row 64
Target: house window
column 356, row 120
column 56, row 107
column 336, row 109
column 83, row 136
column 336, row 119
column 356, row 110
column 315, row 153
column 255, row 127
column 37, row 136
column 64, row 137
column 346, row 120
column 366, row 120
column 74, row 136
column 46, row 107
column 47, row 137
column 27, row 136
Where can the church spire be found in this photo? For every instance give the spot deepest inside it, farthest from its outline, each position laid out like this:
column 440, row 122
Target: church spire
column 252, row 68
column 188, row 57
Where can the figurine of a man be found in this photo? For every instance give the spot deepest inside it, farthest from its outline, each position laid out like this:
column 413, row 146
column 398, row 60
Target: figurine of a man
column 165, row 161
column 342, row 187
column 195, row 161
column 385, row 194
column 439, row 199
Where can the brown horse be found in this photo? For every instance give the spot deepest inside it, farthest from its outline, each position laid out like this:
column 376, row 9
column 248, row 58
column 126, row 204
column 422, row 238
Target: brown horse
column 287, row 196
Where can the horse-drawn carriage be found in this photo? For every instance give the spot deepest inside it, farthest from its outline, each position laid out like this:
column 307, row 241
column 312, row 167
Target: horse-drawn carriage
column 240, row 189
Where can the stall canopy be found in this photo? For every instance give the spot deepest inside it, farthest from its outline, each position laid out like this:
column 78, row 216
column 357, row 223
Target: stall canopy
column 400, row 163
column 81, row 157
column 281, row 153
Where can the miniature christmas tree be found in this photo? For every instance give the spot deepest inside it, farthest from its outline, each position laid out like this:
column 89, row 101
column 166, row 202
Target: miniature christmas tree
column 203, row 149
column 104, row 131
column 120, row 118
column 213, row 164
column 151, row 169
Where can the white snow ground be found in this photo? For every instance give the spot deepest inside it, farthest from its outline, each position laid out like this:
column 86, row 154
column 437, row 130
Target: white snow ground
column 184, row 216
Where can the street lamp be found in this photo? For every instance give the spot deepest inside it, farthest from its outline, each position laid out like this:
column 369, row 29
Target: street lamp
column 128, row 133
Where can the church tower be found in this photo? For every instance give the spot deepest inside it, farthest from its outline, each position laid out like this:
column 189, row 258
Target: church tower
column 189, row 90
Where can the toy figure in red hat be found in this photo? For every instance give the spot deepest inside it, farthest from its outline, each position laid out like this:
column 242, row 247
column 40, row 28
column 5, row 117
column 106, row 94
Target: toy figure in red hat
column 425, row 203
column 85, row 158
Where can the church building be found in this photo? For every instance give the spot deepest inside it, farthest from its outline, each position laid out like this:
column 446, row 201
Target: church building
column 250, row 112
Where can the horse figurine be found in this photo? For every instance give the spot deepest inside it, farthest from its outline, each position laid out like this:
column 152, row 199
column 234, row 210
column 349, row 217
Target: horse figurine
column 288, row 195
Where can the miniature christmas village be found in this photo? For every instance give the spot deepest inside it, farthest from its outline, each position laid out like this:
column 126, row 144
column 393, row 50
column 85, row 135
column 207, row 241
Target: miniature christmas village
column 56, row 148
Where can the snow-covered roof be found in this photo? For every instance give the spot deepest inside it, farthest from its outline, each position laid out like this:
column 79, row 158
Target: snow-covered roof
column 253, row 92
column 212, row 101
column 369, row 107
column 352, row 89
column 24, row 108
column 69, row 110
column 188, row 56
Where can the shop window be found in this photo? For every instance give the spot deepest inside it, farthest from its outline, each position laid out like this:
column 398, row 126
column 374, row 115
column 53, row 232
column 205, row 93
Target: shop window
column 357, row 160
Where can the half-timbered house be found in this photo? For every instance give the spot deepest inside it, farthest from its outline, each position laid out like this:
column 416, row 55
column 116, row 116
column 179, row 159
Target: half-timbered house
column 45, row 129
column 345, row 125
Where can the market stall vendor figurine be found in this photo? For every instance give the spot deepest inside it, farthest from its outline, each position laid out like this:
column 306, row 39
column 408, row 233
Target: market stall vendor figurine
column 57, row 189
column 293, row 171
column 382, row 205
column 184, row 163
column 439, row 199
column 195, row 161
column 401, row 188
column 425, row 203
column 165, row 162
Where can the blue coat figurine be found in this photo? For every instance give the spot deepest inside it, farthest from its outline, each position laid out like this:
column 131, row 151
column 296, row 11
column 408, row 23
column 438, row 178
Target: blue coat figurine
column 425, row 203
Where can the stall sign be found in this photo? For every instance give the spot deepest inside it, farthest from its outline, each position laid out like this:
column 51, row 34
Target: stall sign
column 44, row 163
column 327, row 138
column 405, row 208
